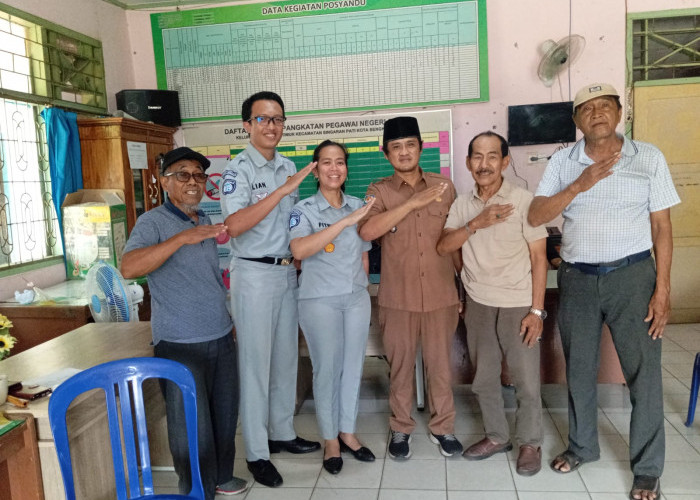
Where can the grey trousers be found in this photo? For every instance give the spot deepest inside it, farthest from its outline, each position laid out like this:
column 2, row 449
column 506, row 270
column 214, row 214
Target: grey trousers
column 620, row 299
column 336, row 330
column 264, row 305
column 215, row 371
column 492, row 333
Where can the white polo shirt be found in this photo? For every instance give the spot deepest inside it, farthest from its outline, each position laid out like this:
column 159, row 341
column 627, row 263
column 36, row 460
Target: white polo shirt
column 611, row 220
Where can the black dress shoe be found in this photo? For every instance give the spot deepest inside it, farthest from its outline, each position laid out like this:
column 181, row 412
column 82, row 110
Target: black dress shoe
column 362, row 454
column 296, row 445
column 333, row 464
column 265, row 473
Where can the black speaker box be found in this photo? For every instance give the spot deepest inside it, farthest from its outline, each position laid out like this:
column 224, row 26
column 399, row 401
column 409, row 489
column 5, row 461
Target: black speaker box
column 157, row 106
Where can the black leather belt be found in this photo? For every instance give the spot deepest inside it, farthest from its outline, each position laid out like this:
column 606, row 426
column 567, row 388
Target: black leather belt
column 606, row 267
column 278, row 261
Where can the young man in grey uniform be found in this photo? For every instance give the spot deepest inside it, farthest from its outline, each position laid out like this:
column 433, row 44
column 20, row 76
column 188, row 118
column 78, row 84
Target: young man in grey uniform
column 259, row 187
column 174, row 245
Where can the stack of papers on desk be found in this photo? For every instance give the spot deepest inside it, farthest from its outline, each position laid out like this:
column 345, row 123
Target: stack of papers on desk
column 53, row 379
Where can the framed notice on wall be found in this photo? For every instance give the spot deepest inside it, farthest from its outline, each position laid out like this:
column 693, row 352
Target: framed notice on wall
column 361, row 134
column 332, row 56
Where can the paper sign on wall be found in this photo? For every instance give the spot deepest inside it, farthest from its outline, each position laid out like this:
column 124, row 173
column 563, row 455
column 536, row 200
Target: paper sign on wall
column 138, row 159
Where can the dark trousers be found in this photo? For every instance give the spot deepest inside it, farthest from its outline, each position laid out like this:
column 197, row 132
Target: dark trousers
column 620, row 299
column 214, row 365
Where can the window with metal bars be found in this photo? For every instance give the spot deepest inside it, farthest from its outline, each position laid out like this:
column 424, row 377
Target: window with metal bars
column 40, row 64
column 665, row 48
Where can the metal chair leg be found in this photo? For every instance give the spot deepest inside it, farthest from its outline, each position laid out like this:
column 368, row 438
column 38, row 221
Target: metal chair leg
column 695, row 385
column 420, row 381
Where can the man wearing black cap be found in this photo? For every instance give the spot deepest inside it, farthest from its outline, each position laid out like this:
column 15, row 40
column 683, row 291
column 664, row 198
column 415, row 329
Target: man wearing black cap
column 615, row 195
column 417, row 296
column 174, row 245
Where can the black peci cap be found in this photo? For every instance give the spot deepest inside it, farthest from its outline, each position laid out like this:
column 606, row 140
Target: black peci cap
column 401, row 127
column 183, row 153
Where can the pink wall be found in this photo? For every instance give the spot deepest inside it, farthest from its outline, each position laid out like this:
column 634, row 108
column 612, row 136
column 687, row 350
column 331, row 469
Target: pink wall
column 515, row 31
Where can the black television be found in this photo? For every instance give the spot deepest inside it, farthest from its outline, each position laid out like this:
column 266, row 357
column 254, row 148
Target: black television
column 548, row 123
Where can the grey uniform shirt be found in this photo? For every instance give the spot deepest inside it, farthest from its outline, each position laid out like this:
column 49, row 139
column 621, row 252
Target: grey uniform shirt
column 336, row 272
column 188, row 297
column 246, row 180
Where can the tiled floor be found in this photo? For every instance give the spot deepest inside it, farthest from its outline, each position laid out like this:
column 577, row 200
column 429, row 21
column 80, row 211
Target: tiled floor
column 429, row 476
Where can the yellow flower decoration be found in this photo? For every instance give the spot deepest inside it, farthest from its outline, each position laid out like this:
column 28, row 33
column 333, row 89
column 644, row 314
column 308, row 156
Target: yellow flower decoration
column 5, row 322
column 7, row 341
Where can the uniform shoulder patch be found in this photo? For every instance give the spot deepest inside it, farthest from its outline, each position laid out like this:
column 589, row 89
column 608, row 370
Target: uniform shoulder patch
column 294, row 218
column 229, row 182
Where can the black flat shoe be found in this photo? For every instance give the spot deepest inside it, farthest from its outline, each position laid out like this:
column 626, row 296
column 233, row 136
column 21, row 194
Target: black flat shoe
column 333, row 464
column 265, row 473
column 363, row 454
column 297, row 445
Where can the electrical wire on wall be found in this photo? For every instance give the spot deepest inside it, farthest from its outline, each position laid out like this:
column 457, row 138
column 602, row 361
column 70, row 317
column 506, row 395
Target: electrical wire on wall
column 568, row 69
column 515, row 171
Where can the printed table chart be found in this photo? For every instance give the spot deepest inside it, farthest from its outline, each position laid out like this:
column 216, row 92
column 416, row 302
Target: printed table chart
column 416, row 55
column 366, row 162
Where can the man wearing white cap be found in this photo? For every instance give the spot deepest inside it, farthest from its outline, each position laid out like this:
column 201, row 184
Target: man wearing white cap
column 615, row 196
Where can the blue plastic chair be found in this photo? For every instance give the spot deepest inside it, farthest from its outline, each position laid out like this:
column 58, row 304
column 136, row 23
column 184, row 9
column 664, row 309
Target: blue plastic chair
column 694, row 391
column 122, row 383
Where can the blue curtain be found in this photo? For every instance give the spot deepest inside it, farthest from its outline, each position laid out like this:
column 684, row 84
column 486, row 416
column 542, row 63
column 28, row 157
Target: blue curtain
column 64, row 155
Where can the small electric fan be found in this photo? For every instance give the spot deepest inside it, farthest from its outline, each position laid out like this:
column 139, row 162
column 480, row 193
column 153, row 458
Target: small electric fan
column 557, row 56
column 110, row 298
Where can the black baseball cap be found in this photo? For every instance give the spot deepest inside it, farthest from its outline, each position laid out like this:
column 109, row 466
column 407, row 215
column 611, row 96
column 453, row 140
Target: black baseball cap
column 183, row 153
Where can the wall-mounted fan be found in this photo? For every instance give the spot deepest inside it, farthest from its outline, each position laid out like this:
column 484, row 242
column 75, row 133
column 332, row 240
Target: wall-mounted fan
column 557, row 56
column 110, row 298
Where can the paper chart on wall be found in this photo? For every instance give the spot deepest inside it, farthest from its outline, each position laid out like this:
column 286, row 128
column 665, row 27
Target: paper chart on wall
column 323, row 56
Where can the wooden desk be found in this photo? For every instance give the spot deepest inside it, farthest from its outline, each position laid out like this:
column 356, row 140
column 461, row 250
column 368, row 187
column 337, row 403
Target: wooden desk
column 83, row 348
column 19, row 463
column 36, row 323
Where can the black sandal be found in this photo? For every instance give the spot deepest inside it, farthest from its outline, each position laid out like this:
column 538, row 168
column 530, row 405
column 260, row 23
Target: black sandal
column 646, row 483
column 568, row 457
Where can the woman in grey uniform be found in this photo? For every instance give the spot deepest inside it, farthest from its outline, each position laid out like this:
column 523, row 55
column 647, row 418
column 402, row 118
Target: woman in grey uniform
column 334, row 306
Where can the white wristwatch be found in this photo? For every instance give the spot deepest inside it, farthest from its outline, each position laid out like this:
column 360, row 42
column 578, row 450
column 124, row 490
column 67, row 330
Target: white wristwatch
column 541, row 313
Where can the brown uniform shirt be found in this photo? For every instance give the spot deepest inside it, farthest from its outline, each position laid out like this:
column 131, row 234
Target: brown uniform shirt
column 413, row 276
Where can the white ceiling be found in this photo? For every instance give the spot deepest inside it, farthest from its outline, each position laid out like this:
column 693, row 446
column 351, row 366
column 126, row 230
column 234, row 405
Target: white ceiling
column 155, row 4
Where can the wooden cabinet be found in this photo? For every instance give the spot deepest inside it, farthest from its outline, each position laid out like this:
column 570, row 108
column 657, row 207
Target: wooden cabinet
column 20, row 468
column 103, row 144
